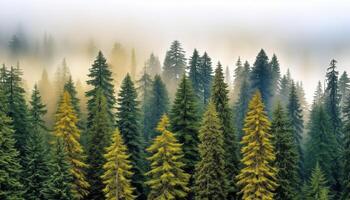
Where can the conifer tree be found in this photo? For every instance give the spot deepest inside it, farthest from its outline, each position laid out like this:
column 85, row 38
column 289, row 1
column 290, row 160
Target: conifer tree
column 257, row 178
column 168, row 180
column 69, row 86
column 261, row 77
column 159, row 102
column 128, row 124
column 220, row 100
column 346, row 151
column 100, row 78
column 206, row 72
column 174, row 65
column 66, row 128
column 153, row 66
column 317, row 188
column 344, row 89
column 318, row 95
column 117, row 174
column 99, row 136
column 184, row 123
column 48, row 96
column 284, row 90
column 10, row 168
column 286, row 163
column 276, row 74
column 194, row 74
column 210, row 177
column 237, row 81
column 62, row 76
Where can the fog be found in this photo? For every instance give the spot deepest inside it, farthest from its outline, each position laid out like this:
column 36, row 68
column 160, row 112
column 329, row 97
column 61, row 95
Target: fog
column 305, row 35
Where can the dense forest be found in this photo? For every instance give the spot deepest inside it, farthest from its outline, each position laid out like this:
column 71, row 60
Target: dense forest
column 184, row 129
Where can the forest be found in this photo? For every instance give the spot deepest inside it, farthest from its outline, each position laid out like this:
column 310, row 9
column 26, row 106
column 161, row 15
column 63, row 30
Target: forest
column 183, row 128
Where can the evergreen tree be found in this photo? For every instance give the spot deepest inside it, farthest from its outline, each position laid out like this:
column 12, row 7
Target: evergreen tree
column 317, row 188
column 128, row 124
column 318, row 95
column 346, row 151
column 184, row 123
column 302, row 99
column 66, row 128
column 210, row 177
column 70, row 88
column 284, row 90
column 168, row 180
column 159, row 103
column 195, row 74
column 257, row 178
column 61, row 77
column 100, row 78
column 295, row 115
column 220, row 100
column 99, row 137
column 174, row 65
column 206, row 72
column 286, row 163
column 48, row 96
column 117, row 175
column 10, row 168
column 153, row 66
column 237, row 80
column 276, row 74
column 261, row 77
column 344, row 88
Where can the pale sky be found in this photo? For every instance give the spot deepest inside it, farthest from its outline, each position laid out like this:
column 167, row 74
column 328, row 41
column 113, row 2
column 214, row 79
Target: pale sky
column 305, row 35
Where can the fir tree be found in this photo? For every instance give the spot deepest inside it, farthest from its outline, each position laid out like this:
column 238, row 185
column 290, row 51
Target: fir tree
column 194, row 74
column 159, row 102
column 70, row 88
column 317, row 188
column 174, row 65
column 318, row 95
column 168, row 180
column 210, row 177
column 99, row 137
column 220, row 100
column 153, row 66
column 276, row 74
column 206, row 72
column 117, row 174
column 128, row 124
column 100, row 78
column 286, row 163
column 257, row 178
column 344, row 88
column 66, row 128
column 346, row 151
column 184, row 122
column 237, row 80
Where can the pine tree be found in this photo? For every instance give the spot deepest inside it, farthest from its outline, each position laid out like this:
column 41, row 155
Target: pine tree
column 168, row 180
column 184, row 123
column 117, row 174
column 70, row 88
column 36, row 161
column 159, row 103
column 284, row 90
column 237, row 82
column 194, row 73
column 257, row 178
column 99, row 138
column 206, row 72
column 174, row 65
column 210, row 177
column 128, row 124
column 318, row 95
column 10, row 168
column 276, row 74
column 344, row 88
column 66, row 128
column 153, row 66
column 317, row 188
column 286, row 163
column 100, row 78
column 261, row 77
column 346, row 151
column 220, row 100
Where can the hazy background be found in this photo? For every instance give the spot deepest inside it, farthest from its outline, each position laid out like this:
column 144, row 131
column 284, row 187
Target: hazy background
column 305, row 35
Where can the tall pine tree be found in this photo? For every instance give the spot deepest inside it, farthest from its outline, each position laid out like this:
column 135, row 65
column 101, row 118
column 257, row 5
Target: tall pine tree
column 206, row 72
column 344, row 88
column 194, row 73
column 346, row 151
column 317, row 188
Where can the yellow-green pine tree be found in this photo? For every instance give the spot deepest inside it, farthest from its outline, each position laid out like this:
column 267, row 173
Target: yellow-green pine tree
column 257, row 178
column 167, row 178
column 66, row 128
column 117, row 175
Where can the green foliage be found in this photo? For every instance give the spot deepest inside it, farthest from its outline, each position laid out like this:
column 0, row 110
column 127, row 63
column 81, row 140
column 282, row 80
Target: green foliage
column 346, row 151
column 276, row 74
column 128, row 115
column 168, row 180
column 220, row 100
column 285, row 87
column 210, row 177
column 317, row 188
column 344, row 88
column 195, row 74
column 153, row 66
column 206, row 72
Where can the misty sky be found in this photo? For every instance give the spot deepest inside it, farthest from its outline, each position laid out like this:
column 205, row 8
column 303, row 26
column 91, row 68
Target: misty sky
column 305, row 35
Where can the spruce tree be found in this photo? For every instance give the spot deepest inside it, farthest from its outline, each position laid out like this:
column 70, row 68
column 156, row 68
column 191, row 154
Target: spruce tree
column 99, row 138
column 153, row 66
column 128, row 124
column 317, row 188
column 261, row 77
column 206, row 72
column 346, row 151
column 284, row 90
column 276, row 74
column 194, row 74
column 184, row 121
column 10, row 168
column 210, row 177
column 66, row 128
column 159, row 103
column 287, row 160
column 168, row 180
column 257, row 178
column 174, row 65
column 318, row 95
column 117, row 171
column 69, row 86
column 100, row 78
column 344, row 88
column 220, row 100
